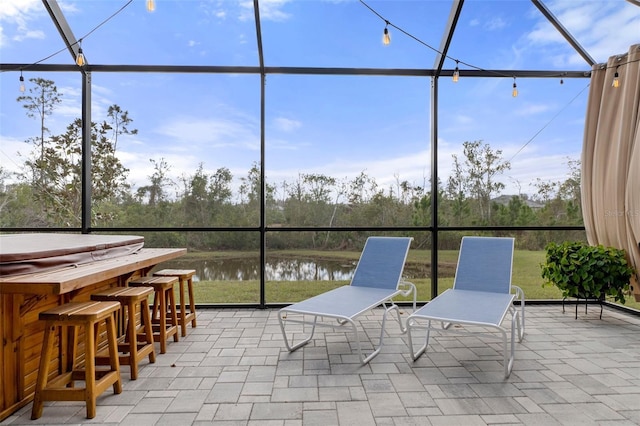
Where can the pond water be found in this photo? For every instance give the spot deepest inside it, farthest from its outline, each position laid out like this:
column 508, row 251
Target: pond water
column 275, row 269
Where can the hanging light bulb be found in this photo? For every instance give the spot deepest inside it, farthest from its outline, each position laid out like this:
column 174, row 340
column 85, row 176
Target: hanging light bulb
column 151, row 5
column 561, row 81
column 386, row 37
column 80, row 56
column 456, row 73
column 22, row 88
column 616, row 79
column 514, row 92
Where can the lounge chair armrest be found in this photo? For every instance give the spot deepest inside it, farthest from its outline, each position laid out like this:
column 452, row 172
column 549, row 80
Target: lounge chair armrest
column 408, row 288
column 520, row 297
column 518, row 292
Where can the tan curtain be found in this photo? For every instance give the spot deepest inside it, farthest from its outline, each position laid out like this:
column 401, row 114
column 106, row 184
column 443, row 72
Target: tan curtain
column 611, row 157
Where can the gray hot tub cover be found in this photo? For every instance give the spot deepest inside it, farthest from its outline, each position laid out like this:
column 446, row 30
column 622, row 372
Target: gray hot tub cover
column 28, row 253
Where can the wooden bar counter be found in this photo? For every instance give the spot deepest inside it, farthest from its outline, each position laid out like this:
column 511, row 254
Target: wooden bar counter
column 23, row 297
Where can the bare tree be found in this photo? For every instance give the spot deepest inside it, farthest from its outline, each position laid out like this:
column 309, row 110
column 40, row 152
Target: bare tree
column 477, row 177
column 39, row 104
column 159, row 182
column 119, row 124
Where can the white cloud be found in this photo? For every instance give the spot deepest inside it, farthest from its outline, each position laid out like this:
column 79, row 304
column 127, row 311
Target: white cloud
column 23, row 35
column 526, row 169
column 463, row 119
column 212, row 133
column 603, row 28
column 411, row 168
column 18, row 14
column 101, row 100
column 491, row 23
column 286, row 145
column 544, row 33
column 12, row 155
column 270, row 10
column 17, row 10
column 533, row 109
column 495, row 23
column 69, row 108
column 286, row 124
column 69, row 8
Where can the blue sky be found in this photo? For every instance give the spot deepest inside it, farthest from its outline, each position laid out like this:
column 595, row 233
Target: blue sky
column 335, row 125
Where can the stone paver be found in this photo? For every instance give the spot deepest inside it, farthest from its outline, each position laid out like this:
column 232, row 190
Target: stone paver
column 233, row 369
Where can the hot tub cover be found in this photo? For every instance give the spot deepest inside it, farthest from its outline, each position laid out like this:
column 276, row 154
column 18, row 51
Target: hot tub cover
column 28, row 253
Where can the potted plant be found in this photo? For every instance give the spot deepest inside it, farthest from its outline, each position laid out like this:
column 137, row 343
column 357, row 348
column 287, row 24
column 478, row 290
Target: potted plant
column 583, row 271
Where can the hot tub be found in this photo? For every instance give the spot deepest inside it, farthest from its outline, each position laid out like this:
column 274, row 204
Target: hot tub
column 28, row 253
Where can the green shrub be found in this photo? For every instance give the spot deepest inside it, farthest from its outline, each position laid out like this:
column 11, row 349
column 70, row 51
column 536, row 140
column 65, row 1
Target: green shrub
column 583, row 271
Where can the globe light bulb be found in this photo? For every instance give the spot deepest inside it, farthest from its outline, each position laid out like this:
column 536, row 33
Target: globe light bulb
column 616, row 80
column 386, row 37
column 80, row 58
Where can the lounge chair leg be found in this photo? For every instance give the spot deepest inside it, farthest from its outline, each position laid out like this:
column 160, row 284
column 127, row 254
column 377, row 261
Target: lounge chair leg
column 402, row 329
column 417, row 354
column 507, row 361
column 358, row 345
column 520, row 297
column 519, row 324
column 290, row 347
column 382, row 328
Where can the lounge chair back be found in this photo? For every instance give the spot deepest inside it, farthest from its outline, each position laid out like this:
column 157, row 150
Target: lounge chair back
column 381, row 262
column 484, row 264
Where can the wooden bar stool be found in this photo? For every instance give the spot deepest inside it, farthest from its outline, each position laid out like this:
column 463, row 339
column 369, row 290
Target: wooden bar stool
column 132, row 299
column 185, row 276
column 88, row 315
column 164, row 302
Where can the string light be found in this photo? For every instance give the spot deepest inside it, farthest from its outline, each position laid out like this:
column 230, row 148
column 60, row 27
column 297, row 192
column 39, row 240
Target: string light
column 562, row 78
column 151, row 5
column 22, row 88
column 616, row 79
column 83, row 37
column 386, row 37
column 80, row 56
column 456, row 73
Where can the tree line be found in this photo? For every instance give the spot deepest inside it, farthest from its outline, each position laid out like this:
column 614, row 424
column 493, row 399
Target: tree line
column 48, row 193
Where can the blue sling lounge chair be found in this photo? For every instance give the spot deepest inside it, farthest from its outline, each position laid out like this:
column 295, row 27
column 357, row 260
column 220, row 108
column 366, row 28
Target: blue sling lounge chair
column 482, row 295
column 376, row 280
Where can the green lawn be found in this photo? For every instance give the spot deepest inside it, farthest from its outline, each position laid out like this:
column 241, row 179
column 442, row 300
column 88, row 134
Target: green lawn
column 526, row 275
